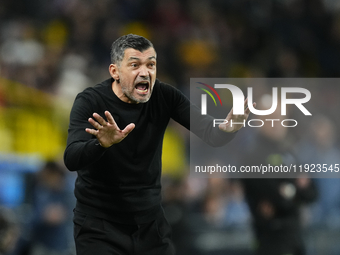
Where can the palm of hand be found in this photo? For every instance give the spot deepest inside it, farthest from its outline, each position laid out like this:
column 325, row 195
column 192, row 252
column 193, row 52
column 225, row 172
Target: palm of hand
column 107, row 132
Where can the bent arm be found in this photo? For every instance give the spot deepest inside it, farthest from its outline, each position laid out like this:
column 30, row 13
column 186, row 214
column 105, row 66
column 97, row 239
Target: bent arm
column 189, row 115
column 202, row 126
column 82, row 148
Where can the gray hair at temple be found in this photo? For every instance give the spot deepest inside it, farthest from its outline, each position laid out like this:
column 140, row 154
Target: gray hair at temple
column 128, row 41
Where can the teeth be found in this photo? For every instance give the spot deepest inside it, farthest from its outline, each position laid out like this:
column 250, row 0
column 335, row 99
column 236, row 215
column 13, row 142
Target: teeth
column 145, row 90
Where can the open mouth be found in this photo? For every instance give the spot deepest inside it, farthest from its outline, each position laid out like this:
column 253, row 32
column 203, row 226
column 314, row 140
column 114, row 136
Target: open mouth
column 142, row 87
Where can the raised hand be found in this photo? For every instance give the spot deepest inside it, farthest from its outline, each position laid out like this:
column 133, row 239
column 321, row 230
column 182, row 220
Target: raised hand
column 107, row 132
column 229, row 126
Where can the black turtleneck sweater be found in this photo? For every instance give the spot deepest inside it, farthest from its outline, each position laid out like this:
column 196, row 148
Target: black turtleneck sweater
column 123, row 182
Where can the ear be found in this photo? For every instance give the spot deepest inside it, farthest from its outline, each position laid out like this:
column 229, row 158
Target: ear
column 114, row 72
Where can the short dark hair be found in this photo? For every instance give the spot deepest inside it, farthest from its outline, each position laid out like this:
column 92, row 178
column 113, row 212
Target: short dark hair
column 128, row 41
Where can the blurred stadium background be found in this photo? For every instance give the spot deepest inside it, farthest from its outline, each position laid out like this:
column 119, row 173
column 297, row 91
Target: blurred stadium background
column 51, row 50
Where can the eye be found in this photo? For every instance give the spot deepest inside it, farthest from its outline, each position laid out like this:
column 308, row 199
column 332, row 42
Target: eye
column 134, row 65
column 152, row 65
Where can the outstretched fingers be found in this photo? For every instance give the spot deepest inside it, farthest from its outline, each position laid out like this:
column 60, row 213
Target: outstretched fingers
column 100, row 119
column 98, row 123
column 246, row 107
column 95, row 124
column 107, row 132
column 110, row 119
column 128, row 129
column 91, row 131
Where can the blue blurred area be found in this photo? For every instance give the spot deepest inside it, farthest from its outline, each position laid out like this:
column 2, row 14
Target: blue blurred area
column 12, row 189
column 13, row 185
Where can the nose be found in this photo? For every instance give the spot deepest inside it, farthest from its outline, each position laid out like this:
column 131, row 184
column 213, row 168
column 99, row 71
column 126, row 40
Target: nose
column 143, row 71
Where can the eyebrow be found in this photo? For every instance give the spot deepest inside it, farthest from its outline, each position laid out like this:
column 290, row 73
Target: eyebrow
column 135, row 58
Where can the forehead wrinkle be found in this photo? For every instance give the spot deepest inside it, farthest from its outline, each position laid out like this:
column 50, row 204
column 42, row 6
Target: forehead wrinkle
column 133, row 58
column 138, row 55
column 136, row 58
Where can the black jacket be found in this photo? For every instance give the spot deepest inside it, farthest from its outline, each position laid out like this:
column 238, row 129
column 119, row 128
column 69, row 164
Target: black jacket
column 122, row 183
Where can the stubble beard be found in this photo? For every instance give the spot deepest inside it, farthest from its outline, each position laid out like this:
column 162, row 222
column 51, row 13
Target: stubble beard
column 129, row 94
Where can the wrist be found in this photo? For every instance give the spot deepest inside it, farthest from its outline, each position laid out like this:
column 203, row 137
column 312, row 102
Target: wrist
column 99, row 144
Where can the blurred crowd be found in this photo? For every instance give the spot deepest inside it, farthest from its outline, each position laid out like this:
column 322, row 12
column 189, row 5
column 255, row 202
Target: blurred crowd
column 50, row 45
column 63, row 46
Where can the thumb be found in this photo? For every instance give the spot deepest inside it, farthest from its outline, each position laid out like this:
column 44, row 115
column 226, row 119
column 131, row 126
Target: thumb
column 128, row 129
